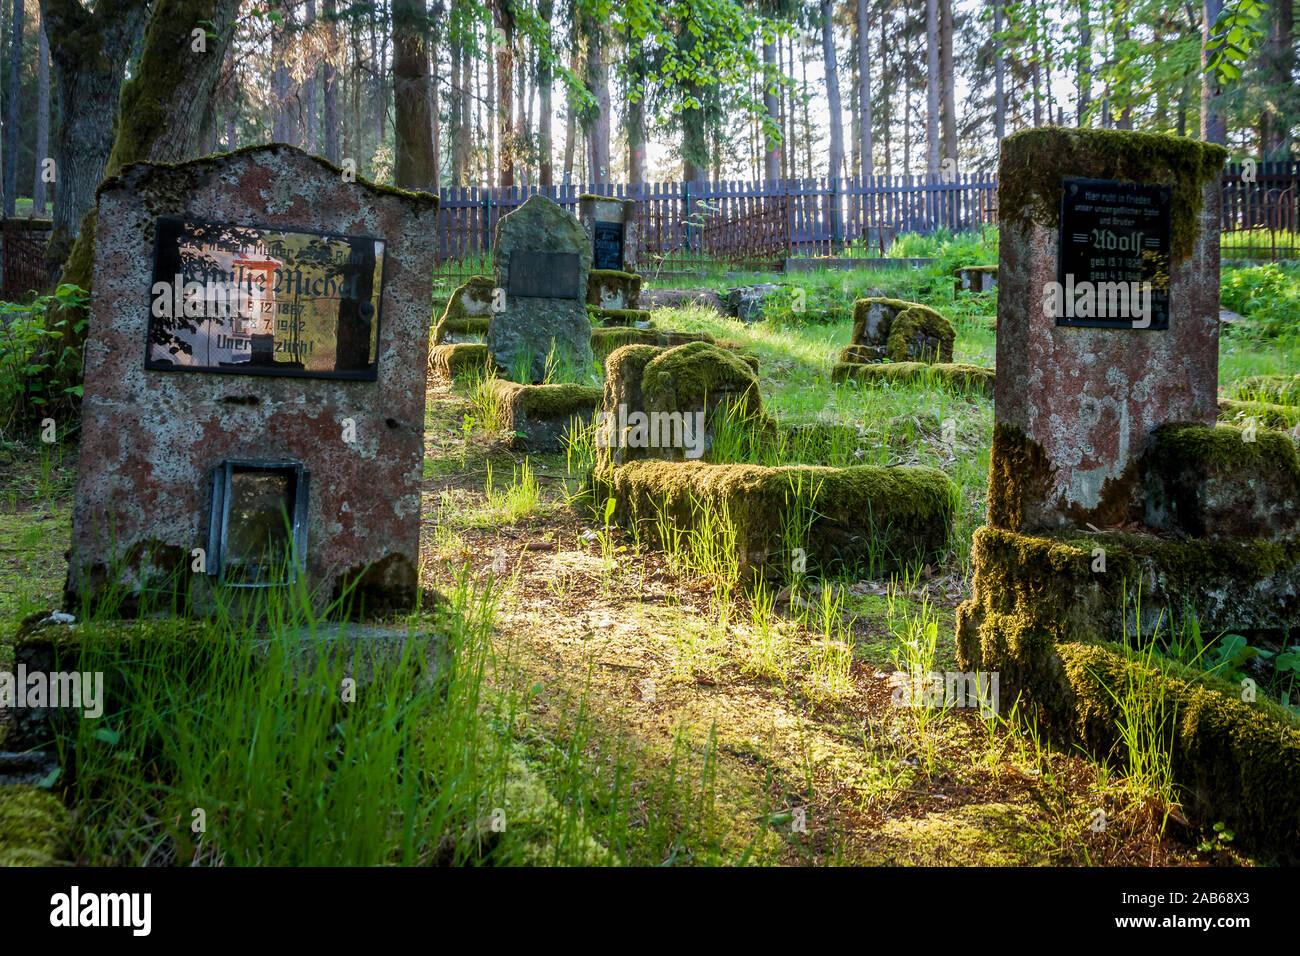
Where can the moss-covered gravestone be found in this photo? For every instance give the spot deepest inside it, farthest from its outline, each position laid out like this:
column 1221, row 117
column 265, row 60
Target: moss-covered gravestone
column 1119, row 513
column 468, row 313
column 667, row 403
column 543, row 256
column 1108, row 318
column 975, row 279
column 898, row 331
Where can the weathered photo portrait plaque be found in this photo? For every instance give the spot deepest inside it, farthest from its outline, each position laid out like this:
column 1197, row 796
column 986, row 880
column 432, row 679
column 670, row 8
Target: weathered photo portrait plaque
column 607, row 246
column 260, row 301
column 545, row 275
column 1113, row 267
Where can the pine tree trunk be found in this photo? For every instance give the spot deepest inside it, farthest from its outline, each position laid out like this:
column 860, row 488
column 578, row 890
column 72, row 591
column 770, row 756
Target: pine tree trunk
column 310, row 120
column 947, row 81
column 83, row 138
column 42, row 121
column 999, row 77
column 413, row 166
column 545, row 175
column 771, row 109
column 864, row 91
column 1213, row 127
column 330, row 78
column 836, row 157
column 932, row 87
column 12, row 127
column 887, row 121
column 490, row 109
column 156, row 119
column 1083, row 65
column 504, row 16
column 1279, row 55
column 634, row 127
column 597, row 78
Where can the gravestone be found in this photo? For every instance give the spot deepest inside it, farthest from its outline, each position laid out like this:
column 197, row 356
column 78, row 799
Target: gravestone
column 1107, row 316
column 611, row 224
column 542, row 258
column 254, row 382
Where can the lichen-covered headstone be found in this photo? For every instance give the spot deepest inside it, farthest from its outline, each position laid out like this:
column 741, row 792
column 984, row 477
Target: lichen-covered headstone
column 1107, row 316
column 542, row 258
column 280, row 367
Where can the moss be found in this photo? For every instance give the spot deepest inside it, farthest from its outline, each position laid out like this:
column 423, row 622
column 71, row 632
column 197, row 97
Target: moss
column 592, row 197
column 912, row 325
column 1034, row 163
column 1019, row 473
column 1265, row 414
column 628, row 317
column 1232, row 761
column 859, row 515
column 683, row 377
column 469, row 323
column 422, row 199
column 1048, row 622
column 1275, row 389
column 988, row 270
column 1220, row 450
column 451, row 360
column 959, row 378
column 981, row 834
column 33, row 827
column 535, row 417
column 545, row 401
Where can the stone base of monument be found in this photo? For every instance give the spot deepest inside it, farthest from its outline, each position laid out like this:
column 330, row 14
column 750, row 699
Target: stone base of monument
column 1055, row 612
column 363, row 652
column 448, row 361
column 608, row 338
column 637, row 318
column 959, row 378
column 898, row 331
column 1051, row 627
column 613, row 289
column 975, row 279
column 536, row 417
column 867, row 516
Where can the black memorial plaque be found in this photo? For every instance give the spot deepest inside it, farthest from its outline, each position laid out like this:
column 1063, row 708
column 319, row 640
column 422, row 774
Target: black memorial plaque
column 608, row 242
column 248, row 300
column 1113, row 268
column 545, row 275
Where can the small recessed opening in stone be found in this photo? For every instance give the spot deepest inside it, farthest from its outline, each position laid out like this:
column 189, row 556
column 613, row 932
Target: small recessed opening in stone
column 259, row 522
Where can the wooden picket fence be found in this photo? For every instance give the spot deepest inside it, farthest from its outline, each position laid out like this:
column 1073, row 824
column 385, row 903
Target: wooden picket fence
column 684, row 226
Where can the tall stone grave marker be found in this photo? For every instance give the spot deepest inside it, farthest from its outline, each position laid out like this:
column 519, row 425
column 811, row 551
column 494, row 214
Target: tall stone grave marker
column 255, row 379
column 542, row 259
column 1108, row 317
column 611, row 224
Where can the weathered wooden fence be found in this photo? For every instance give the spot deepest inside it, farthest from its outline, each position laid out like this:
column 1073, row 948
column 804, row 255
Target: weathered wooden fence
column 686, row 225
column 22, row 257
column 1261, row 212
